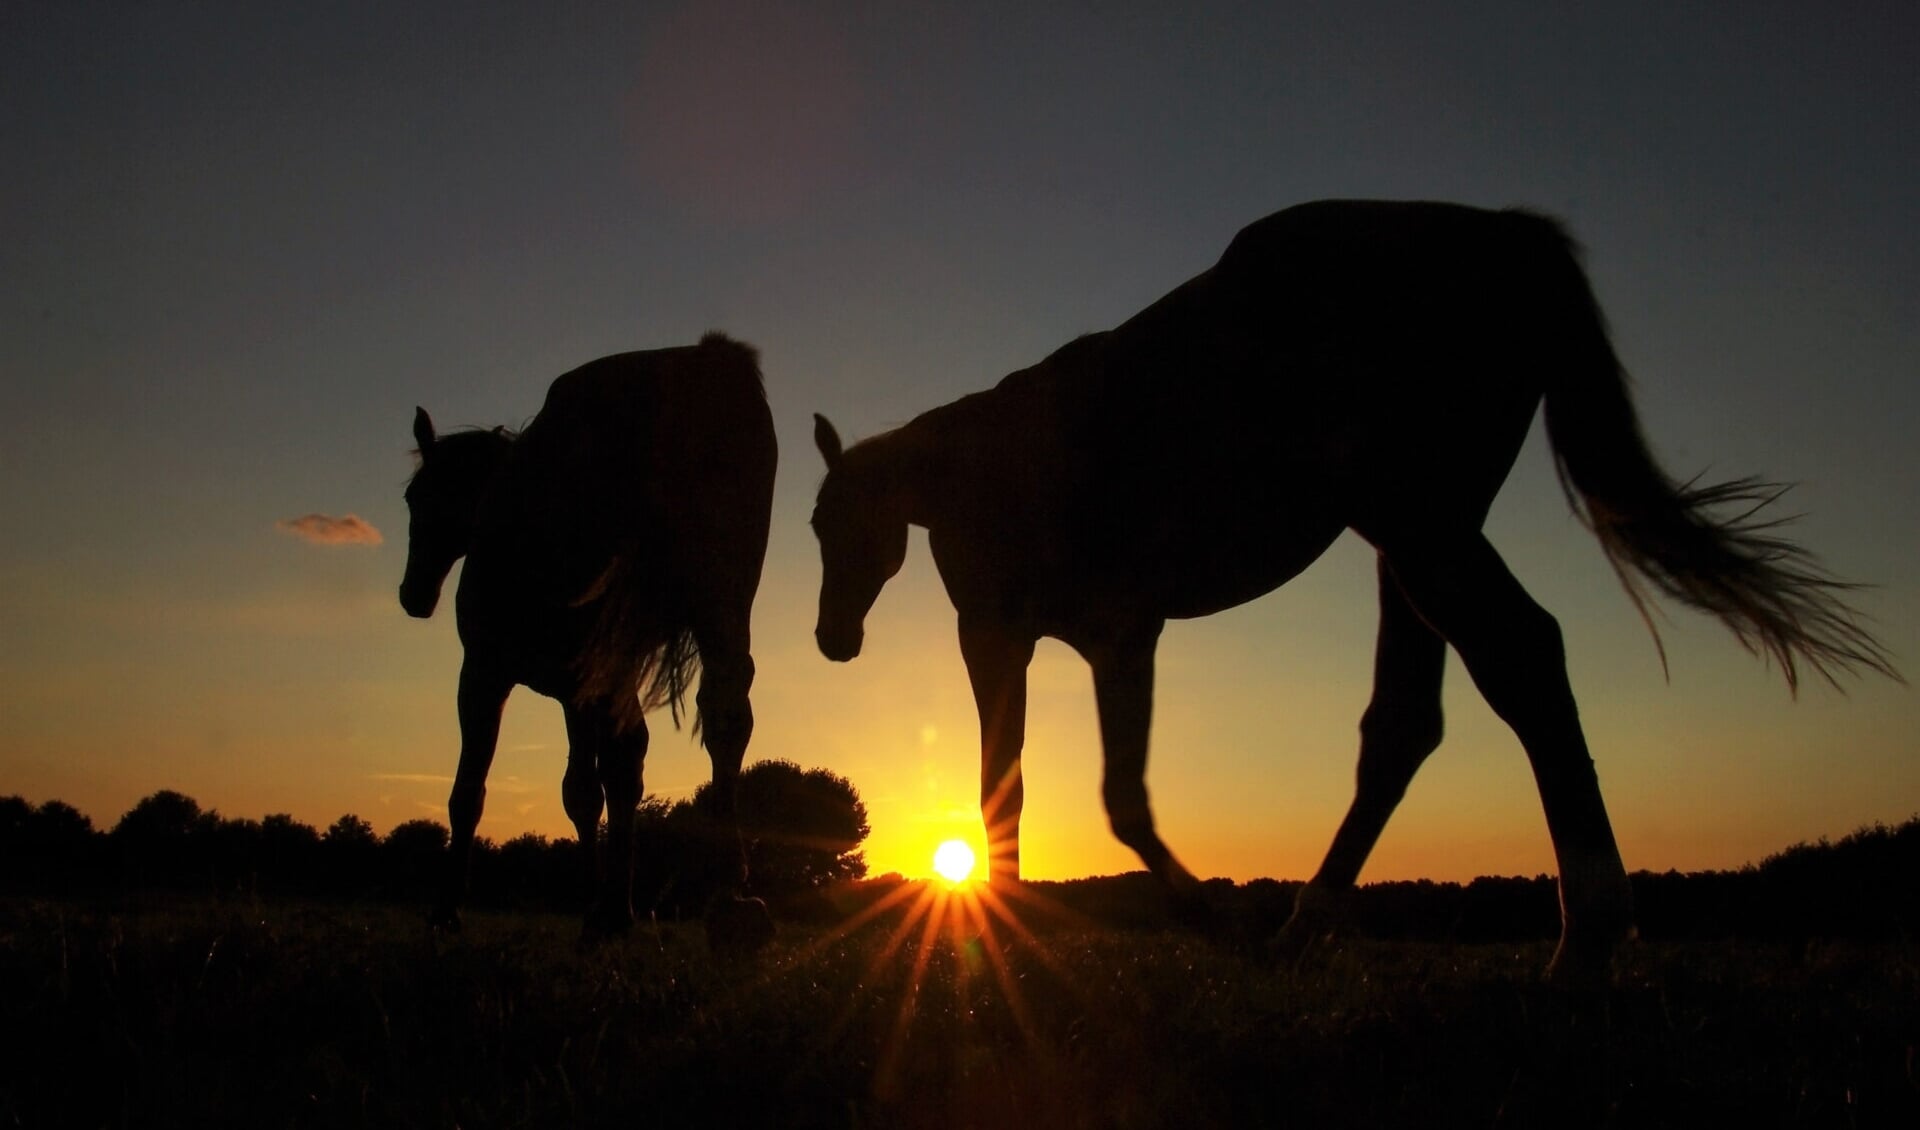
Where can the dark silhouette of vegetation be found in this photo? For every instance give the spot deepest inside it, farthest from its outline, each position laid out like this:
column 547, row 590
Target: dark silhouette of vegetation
column 1784, row 993
column 191, row 1011
column 1863, row 887
column 804, row 828
column 53, row 846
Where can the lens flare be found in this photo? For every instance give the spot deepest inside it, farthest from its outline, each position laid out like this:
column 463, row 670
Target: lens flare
column 954, row 861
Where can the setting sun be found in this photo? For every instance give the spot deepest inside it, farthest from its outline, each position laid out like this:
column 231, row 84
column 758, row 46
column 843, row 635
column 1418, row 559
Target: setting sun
column 954, row 861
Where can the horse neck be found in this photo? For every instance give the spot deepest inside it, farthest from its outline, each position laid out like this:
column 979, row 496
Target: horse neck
column 933, row 462
column 483, row 467
column 888, row 468
column 962, row 462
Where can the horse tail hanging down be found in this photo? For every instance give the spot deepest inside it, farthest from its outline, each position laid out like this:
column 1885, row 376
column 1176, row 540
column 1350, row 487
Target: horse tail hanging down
column 706, row 438
column 634, row 657
column 1705, row 546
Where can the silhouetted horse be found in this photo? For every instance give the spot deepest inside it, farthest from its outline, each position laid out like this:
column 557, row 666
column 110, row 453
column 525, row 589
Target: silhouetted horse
column 613, row 551
column 1345, row 365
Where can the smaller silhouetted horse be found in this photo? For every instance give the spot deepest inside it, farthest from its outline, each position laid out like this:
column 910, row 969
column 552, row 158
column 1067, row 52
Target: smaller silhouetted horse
column 1353, row 365
column 613, row 550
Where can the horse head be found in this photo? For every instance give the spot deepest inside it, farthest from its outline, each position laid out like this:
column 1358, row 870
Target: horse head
column 443, row 505
column 863, row 541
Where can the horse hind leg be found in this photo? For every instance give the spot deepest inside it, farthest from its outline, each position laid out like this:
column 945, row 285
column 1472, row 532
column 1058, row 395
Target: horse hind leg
column 726, row 727
column 1401, row 727
column 1513, row 650
column 619, row 756
column 737, row 924
column 584, row 800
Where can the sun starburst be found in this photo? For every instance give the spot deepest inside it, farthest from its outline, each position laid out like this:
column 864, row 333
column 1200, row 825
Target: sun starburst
column 953, row 861
column 942, row 937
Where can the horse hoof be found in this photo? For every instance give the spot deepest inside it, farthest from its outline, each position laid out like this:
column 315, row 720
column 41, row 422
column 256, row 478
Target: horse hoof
column 1585, row 967
column 1319, row 916
column 1584, row 959
column 1296, row 939
column 1578, row 975
column 738, row 927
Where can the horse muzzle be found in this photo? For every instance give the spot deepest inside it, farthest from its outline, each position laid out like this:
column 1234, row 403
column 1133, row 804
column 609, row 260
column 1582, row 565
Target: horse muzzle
column 839, row 644
column 419, row 600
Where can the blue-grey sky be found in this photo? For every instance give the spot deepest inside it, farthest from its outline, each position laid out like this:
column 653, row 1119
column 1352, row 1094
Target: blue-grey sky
column 243, row 240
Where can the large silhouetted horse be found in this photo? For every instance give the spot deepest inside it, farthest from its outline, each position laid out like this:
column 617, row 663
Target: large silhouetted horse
column 613, row 551
column 1345, row 365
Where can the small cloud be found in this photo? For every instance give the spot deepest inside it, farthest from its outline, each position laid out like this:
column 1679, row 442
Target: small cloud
column 325, row 529
column 413, row 778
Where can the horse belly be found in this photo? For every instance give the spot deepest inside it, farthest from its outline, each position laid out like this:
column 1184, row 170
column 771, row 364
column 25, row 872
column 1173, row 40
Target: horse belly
column 502, row 622
column 1191, row 528
column 1210, row 571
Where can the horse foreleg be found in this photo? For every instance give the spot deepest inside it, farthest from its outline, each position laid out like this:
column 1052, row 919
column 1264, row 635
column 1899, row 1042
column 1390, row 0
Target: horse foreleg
column 583, row 798
column 481, row 698
column 1401, row 726
column 1512, row 647
column 996, row 662
column 1123, row 696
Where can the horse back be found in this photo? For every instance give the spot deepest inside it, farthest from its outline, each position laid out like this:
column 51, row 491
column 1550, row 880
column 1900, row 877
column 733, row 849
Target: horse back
column 1341, row 340
column 636, row 409
column 631, row 456
column 1342, row 361
column 631, row 432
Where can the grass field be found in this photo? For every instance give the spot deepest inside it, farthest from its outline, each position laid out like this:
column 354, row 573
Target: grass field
column 193, row 1012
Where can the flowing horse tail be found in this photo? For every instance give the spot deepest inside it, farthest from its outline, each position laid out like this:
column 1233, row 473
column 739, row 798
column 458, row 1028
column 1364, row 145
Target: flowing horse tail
column 711, row 492
column 1707, row 546
column 635, row 657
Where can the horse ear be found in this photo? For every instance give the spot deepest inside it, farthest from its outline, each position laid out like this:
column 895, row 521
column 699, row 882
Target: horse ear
column 827, row 440
column 422, row 429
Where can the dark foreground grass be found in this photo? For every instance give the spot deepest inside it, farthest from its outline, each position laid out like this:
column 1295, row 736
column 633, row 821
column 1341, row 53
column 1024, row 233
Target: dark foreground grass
column 309, row 1014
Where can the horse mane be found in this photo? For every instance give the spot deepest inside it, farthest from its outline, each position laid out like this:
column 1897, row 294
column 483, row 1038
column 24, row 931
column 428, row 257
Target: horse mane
column 1072, row 350
column 467, row 444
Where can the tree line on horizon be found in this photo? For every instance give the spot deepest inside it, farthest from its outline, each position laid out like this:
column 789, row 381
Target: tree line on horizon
column 802, row 828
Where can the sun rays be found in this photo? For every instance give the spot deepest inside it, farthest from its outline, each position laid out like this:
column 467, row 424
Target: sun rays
column 975, row 927
column 954, row 952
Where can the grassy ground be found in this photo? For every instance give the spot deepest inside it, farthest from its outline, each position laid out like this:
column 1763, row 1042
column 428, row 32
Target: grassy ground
column 311, row 1014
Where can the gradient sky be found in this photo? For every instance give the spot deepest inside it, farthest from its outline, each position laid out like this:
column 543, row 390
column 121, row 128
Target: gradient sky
column 243, row 240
